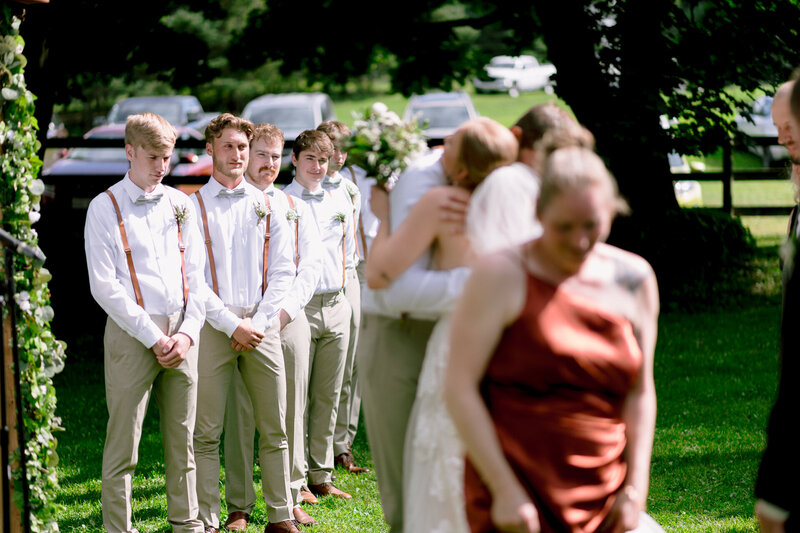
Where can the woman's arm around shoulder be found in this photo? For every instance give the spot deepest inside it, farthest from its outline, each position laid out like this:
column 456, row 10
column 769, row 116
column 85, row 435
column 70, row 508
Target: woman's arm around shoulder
column 392, row 253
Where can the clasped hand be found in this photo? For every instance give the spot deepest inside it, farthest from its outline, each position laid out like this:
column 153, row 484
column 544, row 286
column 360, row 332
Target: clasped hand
column 171, row 351
column 245, row 338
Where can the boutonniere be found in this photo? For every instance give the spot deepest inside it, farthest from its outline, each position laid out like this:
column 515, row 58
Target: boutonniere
column 340, row 217
column 352, row 190
column 292, row 215
column 181, row 215
column 260, row 210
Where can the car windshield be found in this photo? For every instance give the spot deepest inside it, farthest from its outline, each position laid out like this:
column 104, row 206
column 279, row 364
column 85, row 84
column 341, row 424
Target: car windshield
column 169, row 110
column 98, row 154
column 285, row 118
column 441, row 117
column 504, row 65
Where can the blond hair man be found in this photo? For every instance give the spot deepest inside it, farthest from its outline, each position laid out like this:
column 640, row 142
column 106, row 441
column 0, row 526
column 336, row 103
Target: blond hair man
column 145, row 259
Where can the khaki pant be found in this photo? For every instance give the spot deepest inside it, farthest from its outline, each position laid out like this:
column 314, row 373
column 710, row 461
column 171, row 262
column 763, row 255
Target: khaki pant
column 264, row 380
column 329, row 318
column 132, row 374
column 350, row 397
column 390, row 363
column 240, row 427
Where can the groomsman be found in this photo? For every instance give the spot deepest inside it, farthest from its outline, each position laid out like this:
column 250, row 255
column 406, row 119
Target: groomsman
column 350, row 397
column 250, row 269
column 328, row 312
column 262, row 170
column 145, row 259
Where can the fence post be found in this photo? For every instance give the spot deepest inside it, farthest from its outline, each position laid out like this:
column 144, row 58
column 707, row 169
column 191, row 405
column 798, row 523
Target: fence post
column 727, row 177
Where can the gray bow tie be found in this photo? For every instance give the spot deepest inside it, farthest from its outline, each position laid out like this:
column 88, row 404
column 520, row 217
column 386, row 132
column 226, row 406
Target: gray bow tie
column 331, row 182
column 271, row 192
column 231, row 193
column 149, row 198
column 316, row 196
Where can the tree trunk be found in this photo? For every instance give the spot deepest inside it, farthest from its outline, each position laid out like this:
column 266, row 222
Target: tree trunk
column 613, row 113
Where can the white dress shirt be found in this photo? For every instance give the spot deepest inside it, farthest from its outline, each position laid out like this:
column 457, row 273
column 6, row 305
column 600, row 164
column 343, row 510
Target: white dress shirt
column 502, row 209
column 307, row 241
column 417, row 292
column 152, row 232
column 325, row 207
column 237, row 243
column 346, row 189
column 368, row 220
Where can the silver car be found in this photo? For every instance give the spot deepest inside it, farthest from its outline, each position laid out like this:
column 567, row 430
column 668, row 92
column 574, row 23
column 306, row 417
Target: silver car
column 439, row 113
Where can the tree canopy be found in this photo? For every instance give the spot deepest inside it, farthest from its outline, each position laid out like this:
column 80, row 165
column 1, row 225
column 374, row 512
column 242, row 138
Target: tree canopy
column 622, row 64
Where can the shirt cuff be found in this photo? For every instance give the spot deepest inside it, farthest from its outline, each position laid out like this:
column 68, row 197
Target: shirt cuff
column 260, row 322
column 291, row 307
column 771, row 511
column 149, row 337
column 190, row 328
column 227, row 323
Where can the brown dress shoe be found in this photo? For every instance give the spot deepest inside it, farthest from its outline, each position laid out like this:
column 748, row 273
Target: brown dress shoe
column 307, row 497
column 237, row 521
column 345, row 460
column 287, row 526
column 328, row 489
column 302, row 517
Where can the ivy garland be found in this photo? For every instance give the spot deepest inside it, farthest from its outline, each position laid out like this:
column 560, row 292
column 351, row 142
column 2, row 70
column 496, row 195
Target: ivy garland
column 41, row 356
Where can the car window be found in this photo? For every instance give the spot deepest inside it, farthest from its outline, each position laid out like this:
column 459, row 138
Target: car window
column 442, row 117
column 98, row 154
column 285, row 118
column 169, row 110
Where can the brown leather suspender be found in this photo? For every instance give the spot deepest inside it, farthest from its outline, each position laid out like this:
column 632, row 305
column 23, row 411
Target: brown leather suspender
column 209, row 251
column 360, row 223
column 182, row 248
column 266, row 247
column 296, row 231
column 134, row 280
column 129, row 256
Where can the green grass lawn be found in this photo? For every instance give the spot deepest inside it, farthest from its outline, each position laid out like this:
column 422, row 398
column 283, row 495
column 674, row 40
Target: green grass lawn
column 501, row 107
column 715, row 376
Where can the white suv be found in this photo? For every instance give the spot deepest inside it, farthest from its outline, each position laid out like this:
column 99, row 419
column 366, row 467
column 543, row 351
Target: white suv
column 514, row 74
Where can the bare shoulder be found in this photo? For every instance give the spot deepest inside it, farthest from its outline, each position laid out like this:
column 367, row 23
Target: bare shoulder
column 435, row 194
column 630, row 270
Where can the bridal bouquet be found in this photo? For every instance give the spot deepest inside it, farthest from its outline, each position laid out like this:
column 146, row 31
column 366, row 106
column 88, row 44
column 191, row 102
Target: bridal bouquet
column 383, row 144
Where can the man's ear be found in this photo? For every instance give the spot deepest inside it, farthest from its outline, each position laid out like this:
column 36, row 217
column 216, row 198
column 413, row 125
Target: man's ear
column 209, row 149
column 130, row 152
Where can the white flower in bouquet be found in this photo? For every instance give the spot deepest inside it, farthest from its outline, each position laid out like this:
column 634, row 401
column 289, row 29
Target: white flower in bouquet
column 383, row 144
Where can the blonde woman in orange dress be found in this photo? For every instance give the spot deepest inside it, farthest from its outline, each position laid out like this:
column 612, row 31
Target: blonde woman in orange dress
column 550, row 380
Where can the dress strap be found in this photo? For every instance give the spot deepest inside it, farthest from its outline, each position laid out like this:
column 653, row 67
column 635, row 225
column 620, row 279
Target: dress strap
column 209, row 250
column 134, row 280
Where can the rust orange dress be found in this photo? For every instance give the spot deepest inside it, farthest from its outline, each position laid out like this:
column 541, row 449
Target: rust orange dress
column 555, row 388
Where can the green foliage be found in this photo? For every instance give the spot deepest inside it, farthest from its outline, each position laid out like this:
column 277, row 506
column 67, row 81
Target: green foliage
column 702, row 257
column 41, row 356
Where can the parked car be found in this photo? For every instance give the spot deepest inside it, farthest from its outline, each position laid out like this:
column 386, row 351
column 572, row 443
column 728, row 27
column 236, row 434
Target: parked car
column 514, row 74
column 292, row 113
column 439, row 113
column 178, row 110
column 111, row 163
column 760, row 124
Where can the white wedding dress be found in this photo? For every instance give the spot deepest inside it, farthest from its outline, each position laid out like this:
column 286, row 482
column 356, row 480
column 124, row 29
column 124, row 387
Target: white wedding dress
column 499, row 215
column 433, row 483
